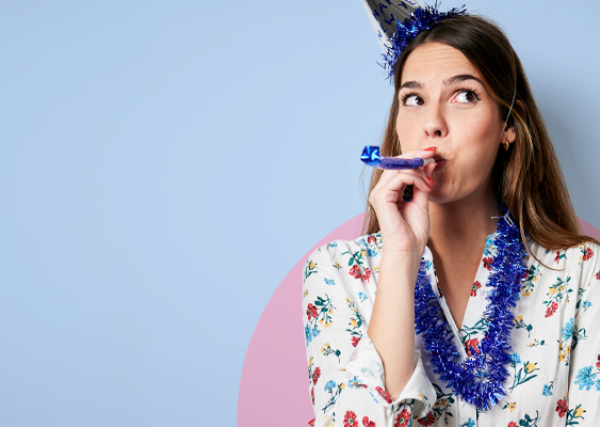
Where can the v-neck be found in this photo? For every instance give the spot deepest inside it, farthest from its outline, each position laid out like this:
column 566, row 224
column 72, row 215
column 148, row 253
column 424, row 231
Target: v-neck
column 473, row 326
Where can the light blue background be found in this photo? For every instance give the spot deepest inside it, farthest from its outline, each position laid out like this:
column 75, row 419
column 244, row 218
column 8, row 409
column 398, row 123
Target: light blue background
column 163, row 165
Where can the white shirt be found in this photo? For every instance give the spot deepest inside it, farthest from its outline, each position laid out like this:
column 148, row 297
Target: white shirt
column 554, row 373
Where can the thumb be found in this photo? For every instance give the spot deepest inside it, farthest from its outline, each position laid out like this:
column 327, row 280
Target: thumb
column 428, row 169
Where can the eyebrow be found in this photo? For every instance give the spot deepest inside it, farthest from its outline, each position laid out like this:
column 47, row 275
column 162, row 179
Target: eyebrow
column 459, row 78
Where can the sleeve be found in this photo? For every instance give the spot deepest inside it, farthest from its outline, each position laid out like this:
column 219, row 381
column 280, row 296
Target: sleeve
column 584, row 374
column 346, row 375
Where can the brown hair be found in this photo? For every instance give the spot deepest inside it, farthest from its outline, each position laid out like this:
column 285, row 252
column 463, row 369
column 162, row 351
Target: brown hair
column 527, row 176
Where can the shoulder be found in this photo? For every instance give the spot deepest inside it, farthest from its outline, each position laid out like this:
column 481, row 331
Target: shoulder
column 343, row 258
column 368, row 245
column 584, row 256
column 581, row 261
column 585, row 251
column 588, row 254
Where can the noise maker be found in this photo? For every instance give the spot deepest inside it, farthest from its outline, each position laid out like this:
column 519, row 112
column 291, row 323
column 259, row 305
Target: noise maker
column 371, row 157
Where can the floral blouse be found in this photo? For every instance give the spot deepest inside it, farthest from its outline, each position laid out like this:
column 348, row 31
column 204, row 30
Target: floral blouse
column 554, row 369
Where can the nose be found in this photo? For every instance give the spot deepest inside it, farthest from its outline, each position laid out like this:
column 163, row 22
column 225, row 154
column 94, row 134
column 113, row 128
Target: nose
column 435, row 126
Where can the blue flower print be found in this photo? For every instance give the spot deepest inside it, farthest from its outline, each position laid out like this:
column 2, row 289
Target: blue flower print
column 355, row 382
column 362, row 296
column 329, row 282
column 585, row 378
column 490, row 248
column 363, row 243
column 334, row 244
column 372, row 253
column 586, row 305
column 567, row 331
column 428, row 265
column 308, row 334
column 515, row 358
column 547, row 391
column 330, row 386
column 315, row 332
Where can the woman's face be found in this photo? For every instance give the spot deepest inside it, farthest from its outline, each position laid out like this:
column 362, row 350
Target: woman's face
column 444, row 103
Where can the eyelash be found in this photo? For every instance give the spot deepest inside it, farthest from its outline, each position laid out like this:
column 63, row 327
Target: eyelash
column 474, row 92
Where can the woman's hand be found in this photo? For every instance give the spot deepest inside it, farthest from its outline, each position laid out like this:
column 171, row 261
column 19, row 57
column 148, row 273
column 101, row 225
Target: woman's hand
column 404, row 225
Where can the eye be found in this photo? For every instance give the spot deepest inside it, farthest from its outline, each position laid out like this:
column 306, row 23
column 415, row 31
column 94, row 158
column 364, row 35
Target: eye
column 467, row 96
column 412, row 100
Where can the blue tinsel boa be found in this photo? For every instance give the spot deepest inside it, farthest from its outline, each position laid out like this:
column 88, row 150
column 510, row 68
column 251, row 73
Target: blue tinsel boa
column 478, row 380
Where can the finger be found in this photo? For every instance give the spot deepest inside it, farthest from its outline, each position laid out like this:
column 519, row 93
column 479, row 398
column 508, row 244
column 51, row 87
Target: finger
column 399, row 183
column 386, row 177
column 393, row 191
column 421, row 198
column 428, row 169
column 423, row 154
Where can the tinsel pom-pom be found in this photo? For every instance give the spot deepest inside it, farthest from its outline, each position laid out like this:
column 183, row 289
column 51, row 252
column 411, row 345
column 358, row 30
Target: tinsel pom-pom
column 419, row 20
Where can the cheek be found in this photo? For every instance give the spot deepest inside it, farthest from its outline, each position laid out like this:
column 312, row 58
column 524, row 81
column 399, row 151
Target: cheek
column 483, row 126
column 407, row 131
column 478, row 140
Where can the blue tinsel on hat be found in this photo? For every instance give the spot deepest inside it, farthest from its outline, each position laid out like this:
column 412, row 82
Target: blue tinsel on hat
column 419, row 20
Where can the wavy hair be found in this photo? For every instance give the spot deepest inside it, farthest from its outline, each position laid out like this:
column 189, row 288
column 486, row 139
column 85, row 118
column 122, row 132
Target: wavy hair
column 527, row 176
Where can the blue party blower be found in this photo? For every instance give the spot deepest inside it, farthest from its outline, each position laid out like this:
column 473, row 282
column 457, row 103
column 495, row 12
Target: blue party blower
column 371, row 156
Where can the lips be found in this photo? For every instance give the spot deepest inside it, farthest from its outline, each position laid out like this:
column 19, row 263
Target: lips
column 439, row 162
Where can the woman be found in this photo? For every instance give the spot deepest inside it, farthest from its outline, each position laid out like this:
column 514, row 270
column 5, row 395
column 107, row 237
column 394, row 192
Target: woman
column 475, row 302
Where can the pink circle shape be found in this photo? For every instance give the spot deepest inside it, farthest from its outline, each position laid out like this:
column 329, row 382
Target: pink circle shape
column 274, row 384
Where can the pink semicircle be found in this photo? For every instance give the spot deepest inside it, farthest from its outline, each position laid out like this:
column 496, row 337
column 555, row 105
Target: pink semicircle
column 274, row 386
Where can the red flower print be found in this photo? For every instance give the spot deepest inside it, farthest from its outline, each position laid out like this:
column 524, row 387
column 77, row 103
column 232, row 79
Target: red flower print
column 598, row 275
column 476, row 286
column 311, row 311
column 316, row 375
column 355, row 271
column 402, row 419
column 355, row 341
column 371, row 239
column 368, row 423
column 557, row 259
column 428, row 420
column 384, row 394
column 550, row 310
column 598, row 362
column 512, row 424
column 312, row 395
column 439, row 289
column 587, row 254
column 561, row 407
column 367, row 274
column 349, row 419
column 472, row 345
column 487, row 262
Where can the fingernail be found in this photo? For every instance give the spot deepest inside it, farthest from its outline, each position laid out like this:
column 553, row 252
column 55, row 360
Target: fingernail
column 430, row 180
column 431, row 148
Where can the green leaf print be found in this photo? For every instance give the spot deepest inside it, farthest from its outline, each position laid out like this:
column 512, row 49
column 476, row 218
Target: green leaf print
column 309, row 268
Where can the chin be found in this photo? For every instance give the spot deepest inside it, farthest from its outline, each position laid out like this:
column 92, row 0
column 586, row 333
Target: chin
column 443, row 195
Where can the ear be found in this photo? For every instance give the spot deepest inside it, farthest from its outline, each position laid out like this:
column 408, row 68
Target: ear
column 510, row 134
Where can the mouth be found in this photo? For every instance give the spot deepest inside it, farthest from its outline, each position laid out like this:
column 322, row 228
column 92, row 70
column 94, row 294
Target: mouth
column 439, row 162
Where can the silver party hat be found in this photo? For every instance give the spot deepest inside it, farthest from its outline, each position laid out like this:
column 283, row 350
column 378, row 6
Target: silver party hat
column 384, row 14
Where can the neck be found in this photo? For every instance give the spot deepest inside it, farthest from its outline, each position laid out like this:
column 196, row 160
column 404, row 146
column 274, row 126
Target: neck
column 461, row 227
